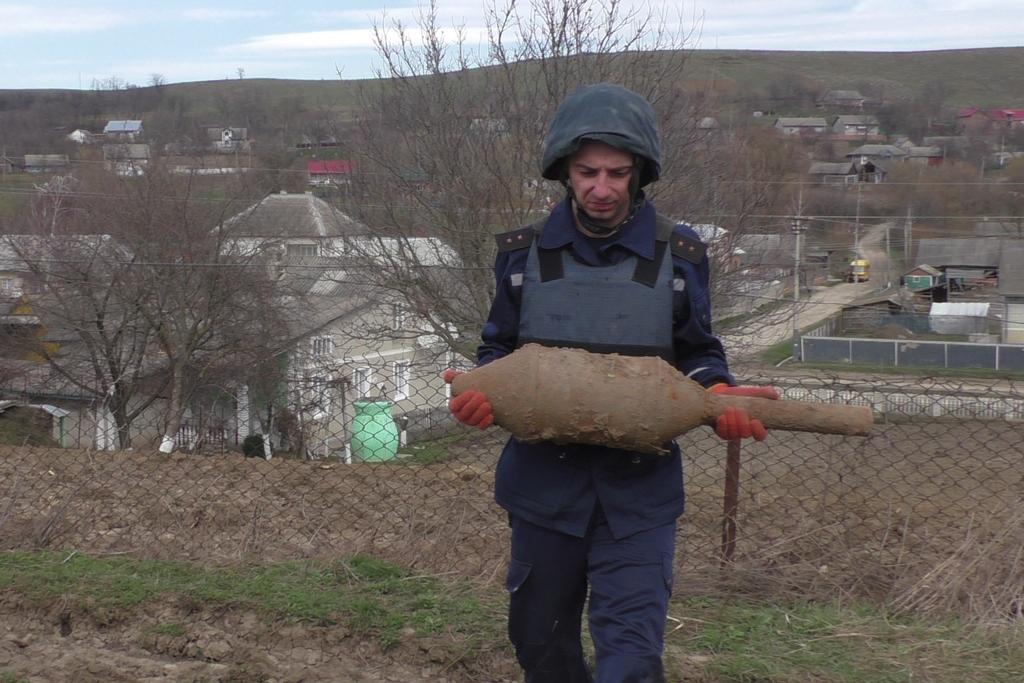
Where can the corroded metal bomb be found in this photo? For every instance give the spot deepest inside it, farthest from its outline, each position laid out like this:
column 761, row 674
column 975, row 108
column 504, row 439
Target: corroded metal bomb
column 635, row 403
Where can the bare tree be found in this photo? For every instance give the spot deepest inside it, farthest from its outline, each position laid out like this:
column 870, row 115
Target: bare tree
column 449, row 140
column 82, row 283
column 159, row 298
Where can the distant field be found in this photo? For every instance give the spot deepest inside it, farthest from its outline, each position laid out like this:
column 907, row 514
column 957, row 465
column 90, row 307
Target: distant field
column 984, row 77
column 12, row 195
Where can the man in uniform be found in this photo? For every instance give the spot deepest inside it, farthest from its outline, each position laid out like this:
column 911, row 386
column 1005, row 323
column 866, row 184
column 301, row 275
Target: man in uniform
column 603, row 272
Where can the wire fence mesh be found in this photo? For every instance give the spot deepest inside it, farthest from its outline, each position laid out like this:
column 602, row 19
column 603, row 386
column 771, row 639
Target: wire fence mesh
column 358, row 453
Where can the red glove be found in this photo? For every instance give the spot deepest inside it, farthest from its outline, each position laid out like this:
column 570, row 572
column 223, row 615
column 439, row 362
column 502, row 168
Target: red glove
column 735, row 423
column 470, row 407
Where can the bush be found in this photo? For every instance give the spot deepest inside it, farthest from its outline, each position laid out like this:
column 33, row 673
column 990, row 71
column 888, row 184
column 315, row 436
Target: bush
column 252, row 446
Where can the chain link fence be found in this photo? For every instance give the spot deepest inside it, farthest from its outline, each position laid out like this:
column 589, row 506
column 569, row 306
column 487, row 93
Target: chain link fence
column 357, row 453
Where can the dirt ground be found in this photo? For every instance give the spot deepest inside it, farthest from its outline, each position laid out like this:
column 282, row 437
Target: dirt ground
column 818, row 515
column 55, row 644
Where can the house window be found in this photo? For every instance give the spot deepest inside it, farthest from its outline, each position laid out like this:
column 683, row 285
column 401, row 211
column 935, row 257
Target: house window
column 400, row 373
column 6, row 285
column 317, row 397
column 397, row 317
column 361, row 381
column 302, row 250
column 323, row 346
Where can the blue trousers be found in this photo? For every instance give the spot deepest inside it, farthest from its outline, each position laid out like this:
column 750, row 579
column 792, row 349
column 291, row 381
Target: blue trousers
column 629, row 581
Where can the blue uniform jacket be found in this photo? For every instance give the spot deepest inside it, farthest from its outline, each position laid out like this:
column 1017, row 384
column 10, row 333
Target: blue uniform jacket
column 558, row 486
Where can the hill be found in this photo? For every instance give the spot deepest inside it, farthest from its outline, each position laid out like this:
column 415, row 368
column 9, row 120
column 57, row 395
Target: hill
column 985, row 77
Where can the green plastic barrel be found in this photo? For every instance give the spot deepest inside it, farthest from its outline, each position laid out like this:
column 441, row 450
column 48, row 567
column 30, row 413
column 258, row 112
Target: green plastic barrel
column 374, row 434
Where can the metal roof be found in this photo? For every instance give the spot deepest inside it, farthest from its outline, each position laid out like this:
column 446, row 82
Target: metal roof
column 857, row 120
column 121, row 126
column 294, row 215
column 832, row 168
column 800, row 121
column 884, row 151
column 971, row 252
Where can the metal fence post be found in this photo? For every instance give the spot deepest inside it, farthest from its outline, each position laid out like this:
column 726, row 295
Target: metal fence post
column 731, row 500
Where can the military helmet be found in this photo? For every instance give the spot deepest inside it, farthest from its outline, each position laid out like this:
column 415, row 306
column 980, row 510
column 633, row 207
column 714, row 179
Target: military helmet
column 610, row 114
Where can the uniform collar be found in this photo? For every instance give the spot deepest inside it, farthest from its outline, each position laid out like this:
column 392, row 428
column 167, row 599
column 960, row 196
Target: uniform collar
column 637, row 235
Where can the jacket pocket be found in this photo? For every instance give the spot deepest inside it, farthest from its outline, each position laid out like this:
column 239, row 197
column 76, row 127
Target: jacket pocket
column 668, row 570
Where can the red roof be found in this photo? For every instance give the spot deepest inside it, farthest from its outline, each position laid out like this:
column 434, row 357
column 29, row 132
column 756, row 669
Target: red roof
column 1006, row 114
column 333, row 167
column 993, row 114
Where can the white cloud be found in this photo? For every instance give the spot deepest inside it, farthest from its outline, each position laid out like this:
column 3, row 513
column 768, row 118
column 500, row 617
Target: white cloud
column 220, row 15
column 28, row 19
column 342, row 39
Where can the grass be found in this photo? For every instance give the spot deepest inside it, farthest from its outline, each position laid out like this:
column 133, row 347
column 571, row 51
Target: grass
column 747, row 643
column 23, row 432
column 12, row 197
column 432, row 451
column 711, row 640
column 375, row 599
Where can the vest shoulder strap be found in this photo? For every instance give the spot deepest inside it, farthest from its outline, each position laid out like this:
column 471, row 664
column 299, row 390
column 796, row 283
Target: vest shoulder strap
column 520, row 238
column 688, row 248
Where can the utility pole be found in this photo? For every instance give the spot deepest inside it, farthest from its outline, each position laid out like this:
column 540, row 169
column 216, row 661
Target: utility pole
column 908, row 244
column 856, row 226
column 797, row 227
column 888, row 257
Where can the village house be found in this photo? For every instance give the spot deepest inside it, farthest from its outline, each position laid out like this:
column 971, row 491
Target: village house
column 355, row 341
column 976, row 120
column 123, row 130
column 126, row 159
column 844, row 99
column 859, row 125
column 227, row 138
column 46, row 163
column 80, row 136
column 802, row 126
column 329, row 173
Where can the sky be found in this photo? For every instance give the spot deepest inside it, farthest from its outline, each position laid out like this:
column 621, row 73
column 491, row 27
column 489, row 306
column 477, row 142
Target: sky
column 58, row 44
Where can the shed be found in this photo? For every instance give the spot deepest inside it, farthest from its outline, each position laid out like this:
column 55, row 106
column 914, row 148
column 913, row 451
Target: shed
column 923, row 277
column 833, row 172
column 929, row 155
column 960, row 317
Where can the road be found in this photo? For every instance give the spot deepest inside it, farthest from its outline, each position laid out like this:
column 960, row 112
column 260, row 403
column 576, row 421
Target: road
column 769, row 329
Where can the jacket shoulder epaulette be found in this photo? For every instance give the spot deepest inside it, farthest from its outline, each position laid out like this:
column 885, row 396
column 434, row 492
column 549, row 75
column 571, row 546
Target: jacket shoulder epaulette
column 688, row 248
column 515, row 239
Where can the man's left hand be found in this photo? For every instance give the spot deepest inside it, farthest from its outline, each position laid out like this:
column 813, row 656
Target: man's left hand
column 736, row 423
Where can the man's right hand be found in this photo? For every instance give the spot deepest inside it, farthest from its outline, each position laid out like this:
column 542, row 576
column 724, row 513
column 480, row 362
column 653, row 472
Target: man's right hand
column 471, row 408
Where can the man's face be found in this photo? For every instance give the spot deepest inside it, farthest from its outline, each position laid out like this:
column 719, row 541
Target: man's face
column 599, row 175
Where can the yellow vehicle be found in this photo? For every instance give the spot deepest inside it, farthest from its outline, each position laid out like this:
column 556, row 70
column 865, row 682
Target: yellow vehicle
column 859, row 270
